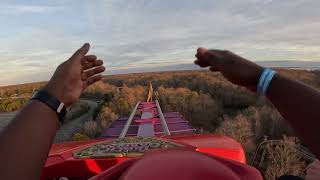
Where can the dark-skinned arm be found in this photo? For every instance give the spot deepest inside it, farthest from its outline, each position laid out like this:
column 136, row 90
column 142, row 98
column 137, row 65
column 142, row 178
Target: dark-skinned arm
column 26, row 141
column 298, row 103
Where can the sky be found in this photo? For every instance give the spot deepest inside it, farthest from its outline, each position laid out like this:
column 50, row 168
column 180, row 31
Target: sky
column 37, row 35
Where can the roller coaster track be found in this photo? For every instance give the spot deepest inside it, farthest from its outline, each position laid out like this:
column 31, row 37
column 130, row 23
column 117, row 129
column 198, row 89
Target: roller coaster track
column 147, row 119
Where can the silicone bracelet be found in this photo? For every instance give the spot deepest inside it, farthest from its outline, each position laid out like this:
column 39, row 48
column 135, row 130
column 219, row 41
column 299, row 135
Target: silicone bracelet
column 261, row 80
column 265, row 80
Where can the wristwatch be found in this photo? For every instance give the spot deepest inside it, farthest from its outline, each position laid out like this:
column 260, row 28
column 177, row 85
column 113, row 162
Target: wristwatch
column 56, row 105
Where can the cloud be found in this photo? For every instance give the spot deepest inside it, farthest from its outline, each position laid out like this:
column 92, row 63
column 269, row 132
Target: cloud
column 226, row 25
column 19, row 9
column 137, row 34
column 30, row 8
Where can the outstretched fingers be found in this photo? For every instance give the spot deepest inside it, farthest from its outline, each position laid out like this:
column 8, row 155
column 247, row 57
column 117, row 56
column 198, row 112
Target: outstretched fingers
column 92, row 72
column 80, row 53
column 209, row 58
column 88, row 58
column 201, row 63
column 200, row 57
column 201, row 50
column 92, row 80
column 88, row 65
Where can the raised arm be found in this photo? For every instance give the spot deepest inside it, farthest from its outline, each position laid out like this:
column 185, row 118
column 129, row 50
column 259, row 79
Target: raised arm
column 297, row 102
column 26, row 141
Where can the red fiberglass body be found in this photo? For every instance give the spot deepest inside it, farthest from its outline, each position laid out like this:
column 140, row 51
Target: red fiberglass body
column 62, row 161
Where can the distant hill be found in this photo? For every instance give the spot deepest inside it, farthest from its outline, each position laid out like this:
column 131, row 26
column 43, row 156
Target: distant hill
column 176, row 67
column 303, row 65
column 306, row 65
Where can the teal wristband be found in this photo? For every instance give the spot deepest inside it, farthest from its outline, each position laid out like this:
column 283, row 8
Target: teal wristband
column 262, row 80
column 265, row 80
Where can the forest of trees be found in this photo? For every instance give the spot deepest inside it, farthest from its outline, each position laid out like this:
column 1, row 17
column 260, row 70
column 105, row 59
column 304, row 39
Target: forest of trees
column 13, row 98
column 208, row 101
column 213, row 105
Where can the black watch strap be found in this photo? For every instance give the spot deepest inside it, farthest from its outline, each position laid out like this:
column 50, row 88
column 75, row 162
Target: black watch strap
column 56, row 105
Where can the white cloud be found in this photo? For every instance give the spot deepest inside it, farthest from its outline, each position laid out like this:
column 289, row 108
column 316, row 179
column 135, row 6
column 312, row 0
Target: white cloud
column 29, row 9
column 19, row 9
column 131, row 34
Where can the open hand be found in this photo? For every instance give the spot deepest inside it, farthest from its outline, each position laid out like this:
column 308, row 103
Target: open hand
column 235, row 68
column 74, row 75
